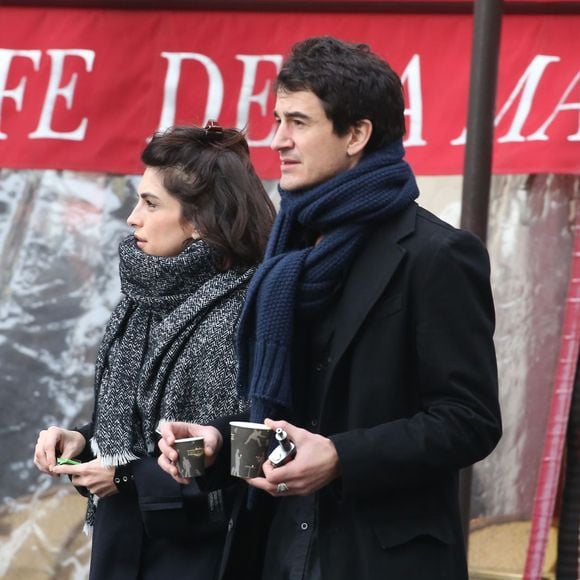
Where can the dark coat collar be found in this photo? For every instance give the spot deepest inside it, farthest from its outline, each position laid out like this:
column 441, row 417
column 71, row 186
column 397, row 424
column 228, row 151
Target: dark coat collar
column 370, row 273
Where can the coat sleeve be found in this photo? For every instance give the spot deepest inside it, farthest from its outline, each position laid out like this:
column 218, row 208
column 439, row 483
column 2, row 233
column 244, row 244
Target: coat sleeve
column 455, row 419
column 173, row 511
column 87, row 432
column 218, row 475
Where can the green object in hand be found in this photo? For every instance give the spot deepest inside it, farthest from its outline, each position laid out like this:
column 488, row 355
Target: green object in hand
column 63, row 461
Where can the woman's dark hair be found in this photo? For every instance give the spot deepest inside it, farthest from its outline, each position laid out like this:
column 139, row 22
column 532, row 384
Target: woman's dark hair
column 208, row 170
column 352, row 83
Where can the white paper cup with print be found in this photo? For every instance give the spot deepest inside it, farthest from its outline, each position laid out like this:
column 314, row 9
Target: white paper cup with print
column 191, row 460
column 249, row 447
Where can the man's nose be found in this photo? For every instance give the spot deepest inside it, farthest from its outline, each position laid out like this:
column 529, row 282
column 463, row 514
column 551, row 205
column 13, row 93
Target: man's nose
column 281, row 139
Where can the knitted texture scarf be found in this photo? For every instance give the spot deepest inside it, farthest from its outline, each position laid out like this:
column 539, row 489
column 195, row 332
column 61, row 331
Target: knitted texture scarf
column 344, row 210
column 168, row 352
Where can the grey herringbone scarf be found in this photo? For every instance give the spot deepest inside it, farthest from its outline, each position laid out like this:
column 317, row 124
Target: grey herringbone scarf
column 168, row 350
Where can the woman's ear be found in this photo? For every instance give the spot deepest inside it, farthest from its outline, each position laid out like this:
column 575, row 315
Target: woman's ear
column 360, row 134
column 191, row 231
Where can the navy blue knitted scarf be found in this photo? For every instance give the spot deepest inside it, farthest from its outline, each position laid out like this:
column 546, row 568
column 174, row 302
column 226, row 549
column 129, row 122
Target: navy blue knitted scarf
column 344, row 211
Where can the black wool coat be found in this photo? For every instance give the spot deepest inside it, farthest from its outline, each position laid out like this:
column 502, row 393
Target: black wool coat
column 157, row 529
column 410, row 398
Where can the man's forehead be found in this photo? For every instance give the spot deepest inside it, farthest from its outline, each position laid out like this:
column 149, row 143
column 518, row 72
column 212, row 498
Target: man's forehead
column 298, row 103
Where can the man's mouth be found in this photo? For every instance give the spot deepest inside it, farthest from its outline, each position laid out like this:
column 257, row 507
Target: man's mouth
column 288, row 162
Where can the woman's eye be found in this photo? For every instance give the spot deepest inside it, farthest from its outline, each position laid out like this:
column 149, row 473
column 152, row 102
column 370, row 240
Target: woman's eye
column 149, row 204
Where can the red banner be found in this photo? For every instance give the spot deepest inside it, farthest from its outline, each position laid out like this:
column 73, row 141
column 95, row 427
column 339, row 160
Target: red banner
column 83, row 89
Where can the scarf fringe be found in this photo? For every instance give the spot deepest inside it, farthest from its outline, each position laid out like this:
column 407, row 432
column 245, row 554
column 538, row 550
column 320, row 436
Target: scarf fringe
column 112, row 460
column 92, row 503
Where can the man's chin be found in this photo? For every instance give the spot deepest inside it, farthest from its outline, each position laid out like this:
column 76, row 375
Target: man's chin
column 292, row 184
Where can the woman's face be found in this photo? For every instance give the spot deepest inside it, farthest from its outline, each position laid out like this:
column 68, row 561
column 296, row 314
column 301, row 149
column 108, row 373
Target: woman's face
column 156, row 219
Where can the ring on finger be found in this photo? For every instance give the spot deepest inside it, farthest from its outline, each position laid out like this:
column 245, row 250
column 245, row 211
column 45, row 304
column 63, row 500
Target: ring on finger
column 282, row 488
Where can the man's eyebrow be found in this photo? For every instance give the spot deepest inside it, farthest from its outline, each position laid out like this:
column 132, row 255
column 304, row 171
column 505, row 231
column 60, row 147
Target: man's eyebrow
column 292, row 115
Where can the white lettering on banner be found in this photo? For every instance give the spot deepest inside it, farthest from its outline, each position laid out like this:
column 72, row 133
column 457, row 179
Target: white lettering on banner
column 54, row 90
column 17, row 93
column 562, row 105
column 526, row 88
column 412, row 77
column 529, row 81
column 215, row 94
column 247, row 97
column 255, row 91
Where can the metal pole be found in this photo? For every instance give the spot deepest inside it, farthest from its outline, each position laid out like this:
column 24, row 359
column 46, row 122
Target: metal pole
column 478, row 152
column 480, row 115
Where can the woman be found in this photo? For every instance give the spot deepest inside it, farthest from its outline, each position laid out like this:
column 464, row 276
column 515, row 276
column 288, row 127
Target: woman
column 200, row 226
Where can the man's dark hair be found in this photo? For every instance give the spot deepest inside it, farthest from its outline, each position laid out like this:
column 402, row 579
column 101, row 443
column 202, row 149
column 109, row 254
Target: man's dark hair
column 352, row 83
column 212, row 177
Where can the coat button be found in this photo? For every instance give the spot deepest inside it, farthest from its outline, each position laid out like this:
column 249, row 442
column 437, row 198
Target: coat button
column 304, row 526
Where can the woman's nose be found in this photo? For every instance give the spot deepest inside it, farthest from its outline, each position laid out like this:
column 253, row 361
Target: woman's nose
column 133, row 219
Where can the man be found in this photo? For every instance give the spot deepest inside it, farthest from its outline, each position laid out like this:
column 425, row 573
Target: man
column 368, row 329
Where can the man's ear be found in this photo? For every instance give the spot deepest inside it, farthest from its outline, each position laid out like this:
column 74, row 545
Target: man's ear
column 360, row 134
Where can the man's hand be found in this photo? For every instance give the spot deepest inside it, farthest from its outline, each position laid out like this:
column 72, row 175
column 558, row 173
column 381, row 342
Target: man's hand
column 315, row 465
column 56, row 441
column 170, row 431
column 92, row 475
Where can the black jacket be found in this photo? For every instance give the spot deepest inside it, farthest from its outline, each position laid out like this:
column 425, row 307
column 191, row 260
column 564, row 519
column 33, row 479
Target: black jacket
column 411, row 397
column 157, row 529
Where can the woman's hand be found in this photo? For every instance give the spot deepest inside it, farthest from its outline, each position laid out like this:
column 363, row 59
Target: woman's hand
column 92, row 475
column 170, row 431
column 53, row 442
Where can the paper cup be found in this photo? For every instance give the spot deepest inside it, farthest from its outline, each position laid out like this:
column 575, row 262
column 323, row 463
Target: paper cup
column 250, row 444
column 191, row 457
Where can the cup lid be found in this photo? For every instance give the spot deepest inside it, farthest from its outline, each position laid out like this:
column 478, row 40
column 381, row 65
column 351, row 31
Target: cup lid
column 249, row 425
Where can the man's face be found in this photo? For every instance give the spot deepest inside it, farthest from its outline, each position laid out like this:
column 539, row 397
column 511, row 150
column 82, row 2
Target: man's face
column 310, row 151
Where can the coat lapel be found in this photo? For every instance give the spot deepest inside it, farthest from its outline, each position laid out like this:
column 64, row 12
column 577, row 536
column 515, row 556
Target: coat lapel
column 368, row 277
